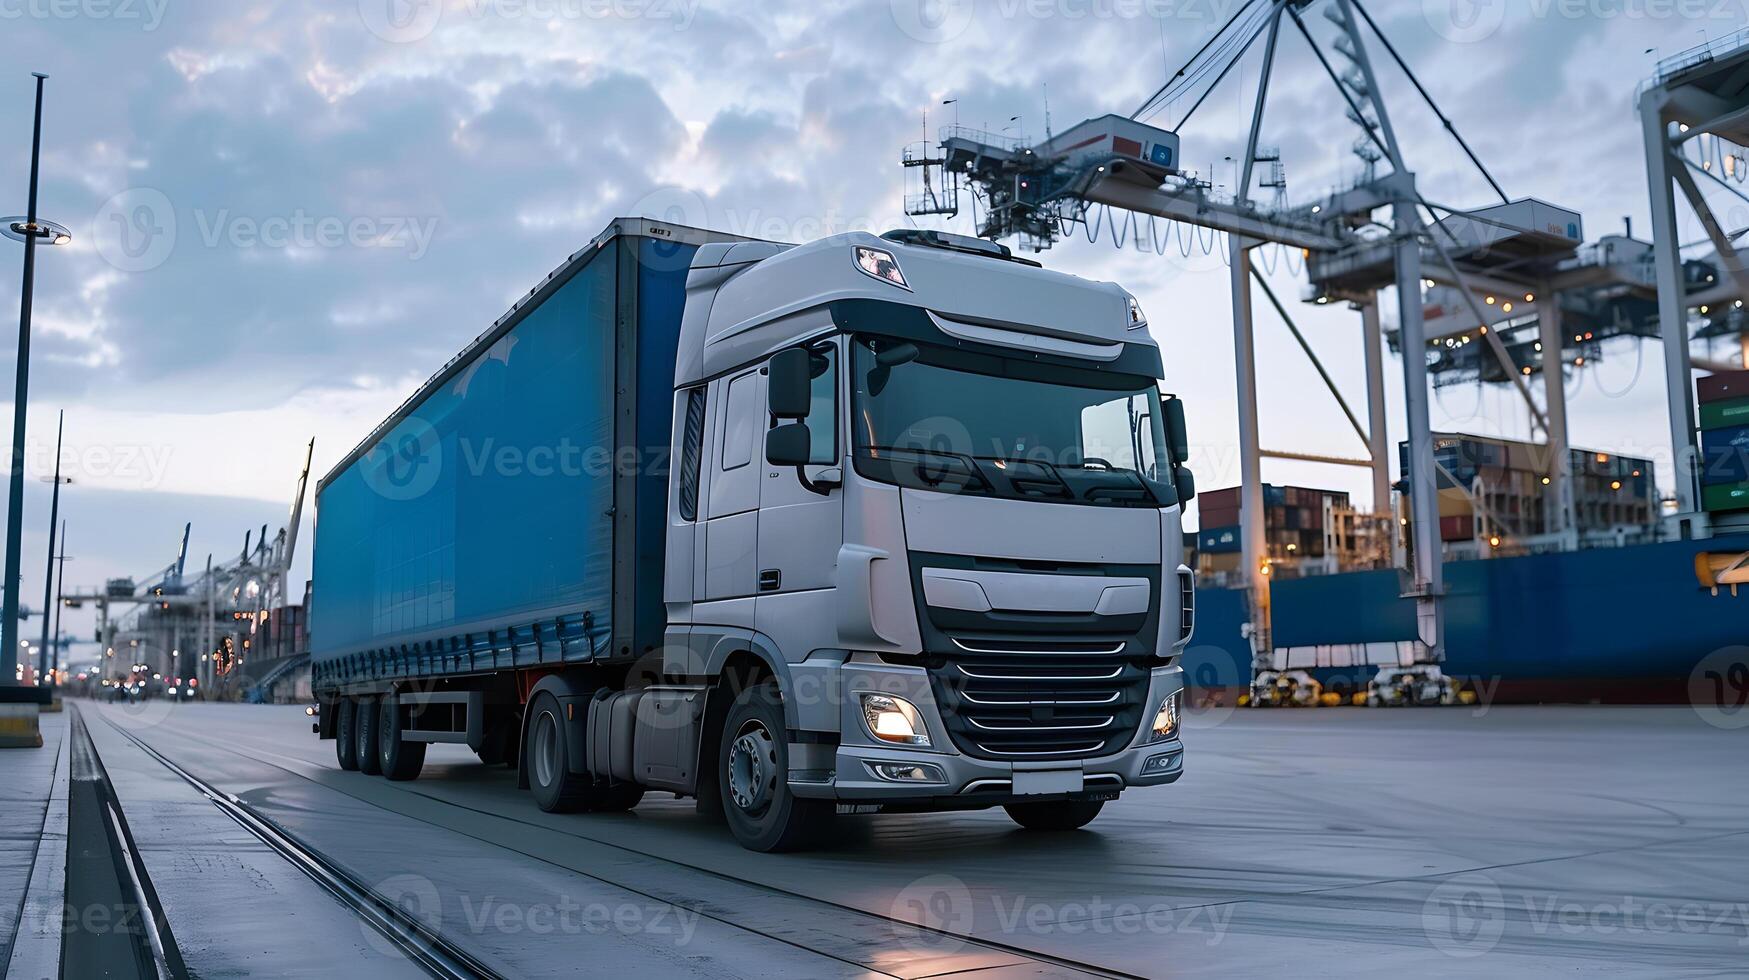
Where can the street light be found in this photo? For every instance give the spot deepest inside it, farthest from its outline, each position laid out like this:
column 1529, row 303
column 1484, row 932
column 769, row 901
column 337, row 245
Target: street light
column 31, row 229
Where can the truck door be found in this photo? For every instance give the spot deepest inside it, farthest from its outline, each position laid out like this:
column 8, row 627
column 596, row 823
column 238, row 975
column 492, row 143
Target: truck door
column 731, row 568
column 800, row 530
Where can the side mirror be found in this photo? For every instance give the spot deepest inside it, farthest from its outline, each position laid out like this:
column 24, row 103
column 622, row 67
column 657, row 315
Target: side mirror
column 1184, row 482
column 786, row 386
column 1177, row 436
column 788, row 445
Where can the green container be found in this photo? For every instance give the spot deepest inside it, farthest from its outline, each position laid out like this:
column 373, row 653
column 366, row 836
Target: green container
column 1725, row 496
column 1723, row 415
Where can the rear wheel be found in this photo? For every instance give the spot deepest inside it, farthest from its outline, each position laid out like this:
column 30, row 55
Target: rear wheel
column 499, row 745
column 1056, row 815
column 546, row 753
column 752, row 778
column 401, row 759
column 345, row 738
column 370, row 762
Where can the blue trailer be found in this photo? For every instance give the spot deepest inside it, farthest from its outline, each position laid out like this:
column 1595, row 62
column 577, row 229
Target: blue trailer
column 497, row 519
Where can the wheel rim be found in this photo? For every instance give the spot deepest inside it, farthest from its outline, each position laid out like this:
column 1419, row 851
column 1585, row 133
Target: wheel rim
column 546, row 749
column 752, row 768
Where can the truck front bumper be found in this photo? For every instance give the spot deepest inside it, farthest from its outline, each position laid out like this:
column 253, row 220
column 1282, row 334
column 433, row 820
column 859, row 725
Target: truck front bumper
column 956, row 780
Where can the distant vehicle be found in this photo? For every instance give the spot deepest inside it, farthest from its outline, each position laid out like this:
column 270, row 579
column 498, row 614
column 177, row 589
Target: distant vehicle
column 1286, row 688
column 868, row 523
column 1413, row 685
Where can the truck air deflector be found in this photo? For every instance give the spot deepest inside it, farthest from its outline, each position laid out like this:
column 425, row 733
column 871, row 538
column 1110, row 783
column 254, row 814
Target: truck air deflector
column 908, row 322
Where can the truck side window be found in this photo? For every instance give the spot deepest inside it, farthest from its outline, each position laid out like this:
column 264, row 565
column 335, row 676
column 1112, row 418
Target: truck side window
column 823, row 413
column 742, row 422
column 691, row 450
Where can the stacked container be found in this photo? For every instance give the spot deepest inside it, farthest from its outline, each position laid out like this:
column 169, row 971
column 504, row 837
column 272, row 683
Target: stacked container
column 1724, row 441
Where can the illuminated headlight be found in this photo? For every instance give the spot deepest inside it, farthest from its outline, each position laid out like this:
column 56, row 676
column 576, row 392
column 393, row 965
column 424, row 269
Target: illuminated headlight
column 907, row 772
column 1137, row 318
column 880, row 264
column 1166, row 719
column 893, row 719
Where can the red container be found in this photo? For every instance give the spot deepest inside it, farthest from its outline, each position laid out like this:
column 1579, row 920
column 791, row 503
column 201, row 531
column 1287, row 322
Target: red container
column 1723, row 387
column 1460, row 528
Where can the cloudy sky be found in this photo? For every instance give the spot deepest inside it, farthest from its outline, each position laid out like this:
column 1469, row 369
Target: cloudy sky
column 288, row 214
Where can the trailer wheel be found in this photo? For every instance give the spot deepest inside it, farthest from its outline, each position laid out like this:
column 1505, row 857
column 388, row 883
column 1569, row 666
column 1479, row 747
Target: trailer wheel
column 1056, row 815
column 401, row 759
column 499, row 746
column 752, row 777
column 345, row 737
column 370, row 762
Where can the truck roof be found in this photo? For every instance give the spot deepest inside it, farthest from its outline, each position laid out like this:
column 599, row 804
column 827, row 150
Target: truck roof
column 982, row 295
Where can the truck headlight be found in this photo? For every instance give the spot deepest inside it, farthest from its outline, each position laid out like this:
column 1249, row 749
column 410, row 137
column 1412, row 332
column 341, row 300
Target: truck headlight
column 894, row 719
column 1166, row 719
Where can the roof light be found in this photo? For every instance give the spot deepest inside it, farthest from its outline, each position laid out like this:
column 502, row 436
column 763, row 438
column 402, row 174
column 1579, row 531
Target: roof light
column 880, row 264
column 1138, row 319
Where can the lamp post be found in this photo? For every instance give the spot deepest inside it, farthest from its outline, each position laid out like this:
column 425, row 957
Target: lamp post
column 30, row 230
column 42, row 664
column 60, row 588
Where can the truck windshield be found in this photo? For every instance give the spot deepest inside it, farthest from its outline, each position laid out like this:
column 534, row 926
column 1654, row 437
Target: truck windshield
column 950, row 420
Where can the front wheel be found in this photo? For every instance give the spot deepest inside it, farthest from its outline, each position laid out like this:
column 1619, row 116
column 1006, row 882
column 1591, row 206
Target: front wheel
column 1057, row 815
column 753, row 779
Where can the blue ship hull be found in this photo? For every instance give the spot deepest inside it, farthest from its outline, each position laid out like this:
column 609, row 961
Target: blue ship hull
column 1620, row 624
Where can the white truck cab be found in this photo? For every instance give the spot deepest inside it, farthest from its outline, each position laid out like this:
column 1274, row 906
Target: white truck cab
column 929, row 496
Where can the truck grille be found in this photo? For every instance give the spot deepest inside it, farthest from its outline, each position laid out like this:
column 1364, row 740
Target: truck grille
column 1041, row 706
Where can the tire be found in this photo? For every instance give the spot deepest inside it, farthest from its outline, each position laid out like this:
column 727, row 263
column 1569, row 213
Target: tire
column 370, row 761
column 752, row 777
column 400, row 759
column 556, row 789
column 499, row 747
column 345, row 738
column 1056, row 815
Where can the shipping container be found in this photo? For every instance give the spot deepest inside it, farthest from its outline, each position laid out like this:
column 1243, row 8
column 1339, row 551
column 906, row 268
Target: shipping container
column 1725, row 455
column 1725, row 497
column 511, row 512
column 1725, row 386
column 1724, row 414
